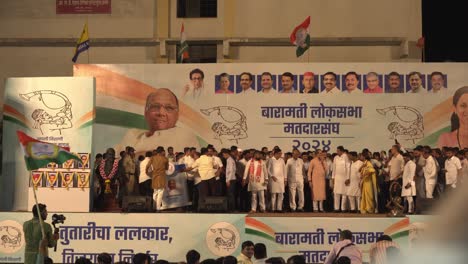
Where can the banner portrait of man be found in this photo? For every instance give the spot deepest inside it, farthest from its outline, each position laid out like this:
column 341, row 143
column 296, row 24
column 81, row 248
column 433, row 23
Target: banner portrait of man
column 161, row 114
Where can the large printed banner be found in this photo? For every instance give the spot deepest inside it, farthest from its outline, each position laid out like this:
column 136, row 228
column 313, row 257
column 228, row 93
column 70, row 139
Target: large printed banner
column 170, row 236
column 57, row 110
column 83, row 7
column 309, row 106
column 314, row 237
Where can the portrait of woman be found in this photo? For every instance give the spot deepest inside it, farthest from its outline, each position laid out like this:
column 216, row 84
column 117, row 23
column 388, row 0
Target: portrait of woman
column 458, row 135
column 224, row 84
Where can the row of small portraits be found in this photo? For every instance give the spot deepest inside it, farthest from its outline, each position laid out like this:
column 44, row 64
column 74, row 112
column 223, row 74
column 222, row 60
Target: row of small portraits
column 389, row 83
column 60, row 179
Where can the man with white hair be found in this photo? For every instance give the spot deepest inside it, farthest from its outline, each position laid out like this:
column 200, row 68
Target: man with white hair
column 295, row 178
column 373, row 83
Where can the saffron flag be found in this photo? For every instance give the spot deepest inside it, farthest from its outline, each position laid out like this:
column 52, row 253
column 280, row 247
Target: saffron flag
column 300, row 37
column 82, row 44
column 38, row 154
column 183, row 53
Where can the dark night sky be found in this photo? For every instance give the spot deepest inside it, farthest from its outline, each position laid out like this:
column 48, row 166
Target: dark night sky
column 445, row 28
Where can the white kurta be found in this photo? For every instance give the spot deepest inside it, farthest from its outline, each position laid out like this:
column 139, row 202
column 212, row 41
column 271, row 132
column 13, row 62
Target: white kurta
column 430, row 171
column 395, row 166
column 409, row 170
column 354, row 188
column 340, row 173
column 276, row 168
column 295, row 171
column 452, row 166
column 188, row 161
column 256, row 183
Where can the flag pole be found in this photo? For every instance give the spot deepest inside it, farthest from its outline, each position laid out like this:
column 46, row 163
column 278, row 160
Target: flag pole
column 87, row 51
column 41, row 221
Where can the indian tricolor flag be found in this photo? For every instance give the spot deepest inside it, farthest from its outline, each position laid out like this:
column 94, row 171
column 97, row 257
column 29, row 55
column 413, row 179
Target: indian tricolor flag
column 38, row 154
column 300, row 37
column 255, row 227
column 183, row 53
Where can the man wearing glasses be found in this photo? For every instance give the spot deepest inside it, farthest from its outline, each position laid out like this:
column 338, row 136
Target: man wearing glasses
column 161, row 115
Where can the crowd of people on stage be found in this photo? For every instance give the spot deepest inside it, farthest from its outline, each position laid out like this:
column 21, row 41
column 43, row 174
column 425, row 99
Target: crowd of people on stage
column 278, row 181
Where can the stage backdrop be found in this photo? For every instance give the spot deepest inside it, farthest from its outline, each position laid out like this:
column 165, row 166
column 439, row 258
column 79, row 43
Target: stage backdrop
column 255, row 119
column 170, row 236
column 58, row 110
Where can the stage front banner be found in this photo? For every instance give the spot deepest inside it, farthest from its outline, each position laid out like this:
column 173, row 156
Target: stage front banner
column 170, row 236
column 162, row 236
column 217, row 104
column 57, row 110
column 314, row 237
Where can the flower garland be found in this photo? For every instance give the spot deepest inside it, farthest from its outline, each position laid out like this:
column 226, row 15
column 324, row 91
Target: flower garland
column 112, row 172
column 107, row 178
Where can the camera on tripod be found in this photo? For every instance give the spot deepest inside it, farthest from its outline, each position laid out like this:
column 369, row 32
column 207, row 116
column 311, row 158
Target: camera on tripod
column 58, row 219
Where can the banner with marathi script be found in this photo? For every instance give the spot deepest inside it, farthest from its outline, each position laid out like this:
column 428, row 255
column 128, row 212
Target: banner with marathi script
column 58, row 110
column 314, row 237
column 164, row 236
column 399, row 105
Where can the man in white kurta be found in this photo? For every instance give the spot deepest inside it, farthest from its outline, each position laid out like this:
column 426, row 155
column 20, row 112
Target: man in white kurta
column 396, row 164
column 430, row 172
column 277, row 177
column 354, row 187
column 295, row 175
column 257, row 177
column 408, row 189
column 453, row 169
column 340, row 175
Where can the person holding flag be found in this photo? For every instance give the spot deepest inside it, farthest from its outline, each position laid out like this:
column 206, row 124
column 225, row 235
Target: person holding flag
column 82, row 44
column 300, row 37
column 38, row 154
column 36, row 242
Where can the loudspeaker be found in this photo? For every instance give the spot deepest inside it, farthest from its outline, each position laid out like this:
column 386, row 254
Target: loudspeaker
column 137, row 204
column 214, row 204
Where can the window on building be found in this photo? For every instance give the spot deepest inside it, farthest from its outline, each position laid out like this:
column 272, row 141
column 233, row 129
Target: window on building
column 197, row 8
column 201, row 53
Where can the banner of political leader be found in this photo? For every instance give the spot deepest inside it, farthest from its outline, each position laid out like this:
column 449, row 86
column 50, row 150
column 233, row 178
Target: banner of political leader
column 291, row 105
column 58, row 110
